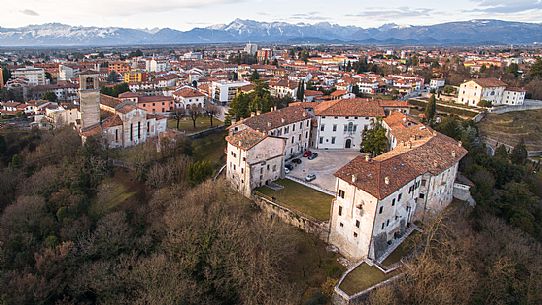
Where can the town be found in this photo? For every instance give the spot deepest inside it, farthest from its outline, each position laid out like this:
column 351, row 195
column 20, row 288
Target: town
column 361, row 147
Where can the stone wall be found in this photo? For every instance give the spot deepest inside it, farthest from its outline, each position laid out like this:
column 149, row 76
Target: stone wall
column 293, row 218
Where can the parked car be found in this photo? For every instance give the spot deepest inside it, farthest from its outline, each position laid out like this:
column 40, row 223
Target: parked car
column 289, row 166
column 296, row 161
column 286, row 170
column 307, row 153
column 313, row 156
column 310, row 177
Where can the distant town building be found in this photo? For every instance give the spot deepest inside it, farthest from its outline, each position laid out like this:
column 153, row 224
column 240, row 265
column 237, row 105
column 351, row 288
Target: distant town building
column 251, row 48
column 491, row 90
column 35, row 76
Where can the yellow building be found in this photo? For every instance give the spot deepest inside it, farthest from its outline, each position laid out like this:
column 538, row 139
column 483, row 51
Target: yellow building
column 135, row 76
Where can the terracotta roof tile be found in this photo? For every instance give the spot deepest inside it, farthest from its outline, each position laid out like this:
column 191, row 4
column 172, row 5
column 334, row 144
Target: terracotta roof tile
column 246, row 138
column 350, row 107
column 434, row 156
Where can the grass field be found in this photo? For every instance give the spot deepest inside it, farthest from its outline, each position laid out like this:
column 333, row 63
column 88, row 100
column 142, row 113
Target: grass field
column 364, row 277
column 210, row 148
column 510, row 127
column 186, row 124
column 116, row 191
column 301, row 198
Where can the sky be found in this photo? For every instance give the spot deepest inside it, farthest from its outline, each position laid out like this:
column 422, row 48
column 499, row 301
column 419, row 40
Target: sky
column 187, row 14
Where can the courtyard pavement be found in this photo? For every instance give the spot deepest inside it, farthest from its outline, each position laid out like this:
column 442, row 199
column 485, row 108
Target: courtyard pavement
column 324, row 166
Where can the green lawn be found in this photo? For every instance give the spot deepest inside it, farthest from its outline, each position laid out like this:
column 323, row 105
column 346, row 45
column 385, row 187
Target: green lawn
column 301, row 198
column 115, row 191
column 401, row 251
column 364, row 277
column 211, row 148
column 186, row 124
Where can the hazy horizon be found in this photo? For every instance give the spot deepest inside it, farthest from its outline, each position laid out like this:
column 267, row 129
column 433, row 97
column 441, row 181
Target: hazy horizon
column 188, row 14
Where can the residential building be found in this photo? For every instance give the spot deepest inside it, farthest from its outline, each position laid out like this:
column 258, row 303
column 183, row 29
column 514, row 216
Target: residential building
column 251, row 48
column 377, row 199
column 253, row 159
column 150, row 103
column 437, row 83
column 35, row 76
column 341, row 123
column 491, row 90
column 189, row 97
column 291, row 123
column 223, row 92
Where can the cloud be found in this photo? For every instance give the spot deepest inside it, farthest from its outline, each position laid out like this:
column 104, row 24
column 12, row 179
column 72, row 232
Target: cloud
column 506, row 6
column 29, row 12
column 314, row 16
column 380, row 13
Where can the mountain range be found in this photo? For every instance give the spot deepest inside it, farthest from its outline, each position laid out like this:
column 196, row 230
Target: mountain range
column 239, row 31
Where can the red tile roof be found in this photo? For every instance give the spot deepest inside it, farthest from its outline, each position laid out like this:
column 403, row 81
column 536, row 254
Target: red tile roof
column 436, row 155
column 246, row 138
column 350, row 107
column 274, row 119
column 490, row 82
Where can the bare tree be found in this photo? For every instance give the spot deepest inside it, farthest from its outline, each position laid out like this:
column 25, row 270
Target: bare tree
column 178, row 113
column 211, row 110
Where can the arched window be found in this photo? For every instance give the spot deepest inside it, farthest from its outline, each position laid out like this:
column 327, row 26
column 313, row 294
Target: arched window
column 89, row 83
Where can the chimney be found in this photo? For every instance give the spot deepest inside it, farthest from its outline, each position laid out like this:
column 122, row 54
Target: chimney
column 387, row 180
column 304, row 114
column 435, row 163
column 453, row 153
column 252, row 114
column 268, row 124
column 460, row 144
column 368, row 157
column 258, row 112
column 354, row 178
column 282, row 120
column 240, row 142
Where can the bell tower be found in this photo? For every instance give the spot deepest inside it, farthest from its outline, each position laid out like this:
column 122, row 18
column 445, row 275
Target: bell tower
column 89, row 98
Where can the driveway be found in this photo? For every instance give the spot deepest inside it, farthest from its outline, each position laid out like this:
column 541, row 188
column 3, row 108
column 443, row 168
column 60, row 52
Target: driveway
column 324, row 166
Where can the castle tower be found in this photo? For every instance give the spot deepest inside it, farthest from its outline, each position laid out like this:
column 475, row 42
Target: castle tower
column 89, row 96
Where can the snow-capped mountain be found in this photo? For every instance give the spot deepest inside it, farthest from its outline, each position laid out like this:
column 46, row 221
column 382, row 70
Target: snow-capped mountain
column 238, row 31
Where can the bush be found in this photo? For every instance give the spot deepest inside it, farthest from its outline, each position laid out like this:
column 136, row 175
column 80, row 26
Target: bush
column 485, row 104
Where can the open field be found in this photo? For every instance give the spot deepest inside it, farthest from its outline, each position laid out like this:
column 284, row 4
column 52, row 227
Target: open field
column 187, row 125
column 301, row 198
column 510, row 127
column 364, row 277
column 210, row 148
column 119, row 190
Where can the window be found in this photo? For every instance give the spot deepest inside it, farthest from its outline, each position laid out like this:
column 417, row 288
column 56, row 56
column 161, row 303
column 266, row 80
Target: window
column 355, row 234
column 242, row 170
column 424, row 182
column 393, row 202
column 286, row 130
column 357, row 223
column 244, row 158
column 322, row 127
column 332, row 140
column 293, row 139
column 380, row 210
column 299, row 137
column 399, row 197
column 131, row 132
column 334, row 127
column 422, row 195
column 293, row 127
column 387, row 222
column 268, row 167
column 139, row 130
column 382, row 226
column 300, row 125
column 274, row 167
column 321, row 140
column 340, row 210
column 307, row 123
column 341, row 194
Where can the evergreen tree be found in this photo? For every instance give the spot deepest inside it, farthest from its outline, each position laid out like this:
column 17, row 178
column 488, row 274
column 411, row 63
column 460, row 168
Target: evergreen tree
column 301, row 91
column 431, row 109
column 50, row 96
column 375, row 141
column 519, row 154
column 536, row 69
column 501, row 153
column 255, row 75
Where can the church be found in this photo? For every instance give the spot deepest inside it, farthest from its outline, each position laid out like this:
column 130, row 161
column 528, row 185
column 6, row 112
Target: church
column 120, row 123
